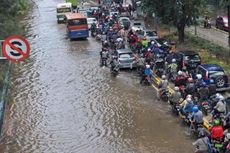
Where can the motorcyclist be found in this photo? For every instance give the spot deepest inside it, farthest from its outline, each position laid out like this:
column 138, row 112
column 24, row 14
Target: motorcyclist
column 120, row 43
column 187, row 107
column 175, row 97
column 163, row 85
column 105, row 45
column 201, row 144
column 93, row 27
column 114, row 63
column 172, row 68
column 190, row 86
column 197, row 117
column 217, row 131
column 199, row 81
column 203, row 91
column 220, row 107
column 180, row 79
column 147, row 74
column 104, row 56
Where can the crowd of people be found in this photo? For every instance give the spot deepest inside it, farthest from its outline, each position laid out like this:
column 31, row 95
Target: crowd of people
column 192, row 97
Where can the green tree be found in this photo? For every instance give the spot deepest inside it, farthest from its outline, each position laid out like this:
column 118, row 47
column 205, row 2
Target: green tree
column 177, row 12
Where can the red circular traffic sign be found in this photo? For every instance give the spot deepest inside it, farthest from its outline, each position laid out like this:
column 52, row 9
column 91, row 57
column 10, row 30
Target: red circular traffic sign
column 16, row 48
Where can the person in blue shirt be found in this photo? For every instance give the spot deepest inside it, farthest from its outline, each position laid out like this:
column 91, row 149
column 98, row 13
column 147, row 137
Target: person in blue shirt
column 188, row 106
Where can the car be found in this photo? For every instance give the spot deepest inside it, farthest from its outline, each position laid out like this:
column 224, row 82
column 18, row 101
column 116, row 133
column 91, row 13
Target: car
column 215, row 72
column 90, row 21
column 188, row 59
column 151, row 34
column 138, row 25
column 162, row 44
column 126, row 58
column 124, row 21
column 222, row 22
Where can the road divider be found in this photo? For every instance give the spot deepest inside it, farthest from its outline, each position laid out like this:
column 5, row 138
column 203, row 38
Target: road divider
column 156, row 80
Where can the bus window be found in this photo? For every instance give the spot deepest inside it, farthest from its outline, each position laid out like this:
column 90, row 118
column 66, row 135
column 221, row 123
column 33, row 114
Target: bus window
column 63, row 10
column 77, row 22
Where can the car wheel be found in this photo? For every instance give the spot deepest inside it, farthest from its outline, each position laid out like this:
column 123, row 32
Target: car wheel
column 220, row 82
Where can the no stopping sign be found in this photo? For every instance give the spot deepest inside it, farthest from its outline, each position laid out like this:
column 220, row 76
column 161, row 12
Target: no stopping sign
column 16, row 48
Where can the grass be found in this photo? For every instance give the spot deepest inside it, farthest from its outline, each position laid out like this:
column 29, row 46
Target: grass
column 209, row 52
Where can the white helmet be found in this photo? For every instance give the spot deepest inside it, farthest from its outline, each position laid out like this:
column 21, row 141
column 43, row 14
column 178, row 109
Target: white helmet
column 188, row 99
column 199, row 76
column 147, row 66
column 221, row 97
column 228, row 136
column 149, row 49
column 179, row 72
column 176, row 88
column 152, row 42
column 189, row 96
column 174, row 60
column 163, row 77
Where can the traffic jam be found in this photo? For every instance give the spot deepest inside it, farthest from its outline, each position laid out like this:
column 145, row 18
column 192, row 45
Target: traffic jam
column 195, row 91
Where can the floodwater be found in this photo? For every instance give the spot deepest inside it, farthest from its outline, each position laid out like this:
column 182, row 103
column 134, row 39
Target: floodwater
column 63, row 102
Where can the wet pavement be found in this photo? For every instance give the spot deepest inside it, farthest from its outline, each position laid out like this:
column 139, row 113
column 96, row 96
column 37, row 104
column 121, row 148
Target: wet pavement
column 63, row 102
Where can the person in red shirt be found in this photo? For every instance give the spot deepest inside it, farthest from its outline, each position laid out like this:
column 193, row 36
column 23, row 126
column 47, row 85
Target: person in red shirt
column 133, row 39
column 217, row 130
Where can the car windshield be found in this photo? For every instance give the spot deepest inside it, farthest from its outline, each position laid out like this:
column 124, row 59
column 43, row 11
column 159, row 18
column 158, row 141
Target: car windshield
column 126, row 55
column 63, row 10
column 162, row 41
column 192, row 58
column 151, row 33
column 215, row 73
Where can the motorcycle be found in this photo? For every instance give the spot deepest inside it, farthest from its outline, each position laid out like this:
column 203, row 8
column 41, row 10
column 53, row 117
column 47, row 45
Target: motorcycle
column 164, row 95
column 98, row 37
column 205, row 107
column 93, row 33
column 103, row 61
column 217, row 146
column 207, row 24
column 199, row 131
column 175, row 107
column 115, row 71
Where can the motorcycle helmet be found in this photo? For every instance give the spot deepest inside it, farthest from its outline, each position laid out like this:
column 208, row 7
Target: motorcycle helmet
column 190, row 80
column 173, row 60
column 216, row 122
column 149, row 49
column 199, row 76
column 176, row 88
column 221, row 97
column 189, row 99
column 152, row 43
column 195, row 109
column 163, row 77
column 228, row 136
column 147, row 66
column 179, row 72
column 189, row 96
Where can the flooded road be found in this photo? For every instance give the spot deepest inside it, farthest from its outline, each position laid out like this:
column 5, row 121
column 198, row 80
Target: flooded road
column 63, row 102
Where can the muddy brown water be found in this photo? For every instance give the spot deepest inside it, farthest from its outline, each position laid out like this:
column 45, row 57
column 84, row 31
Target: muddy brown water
column 63, row 102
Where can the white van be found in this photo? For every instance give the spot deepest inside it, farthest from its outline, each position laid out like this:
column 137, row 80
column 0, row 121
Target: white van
column 62, row 9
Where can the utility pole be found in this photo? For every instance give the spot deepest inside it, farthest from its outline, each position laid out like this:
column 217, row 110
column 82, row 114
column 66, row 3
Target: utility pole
column 229, row 27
